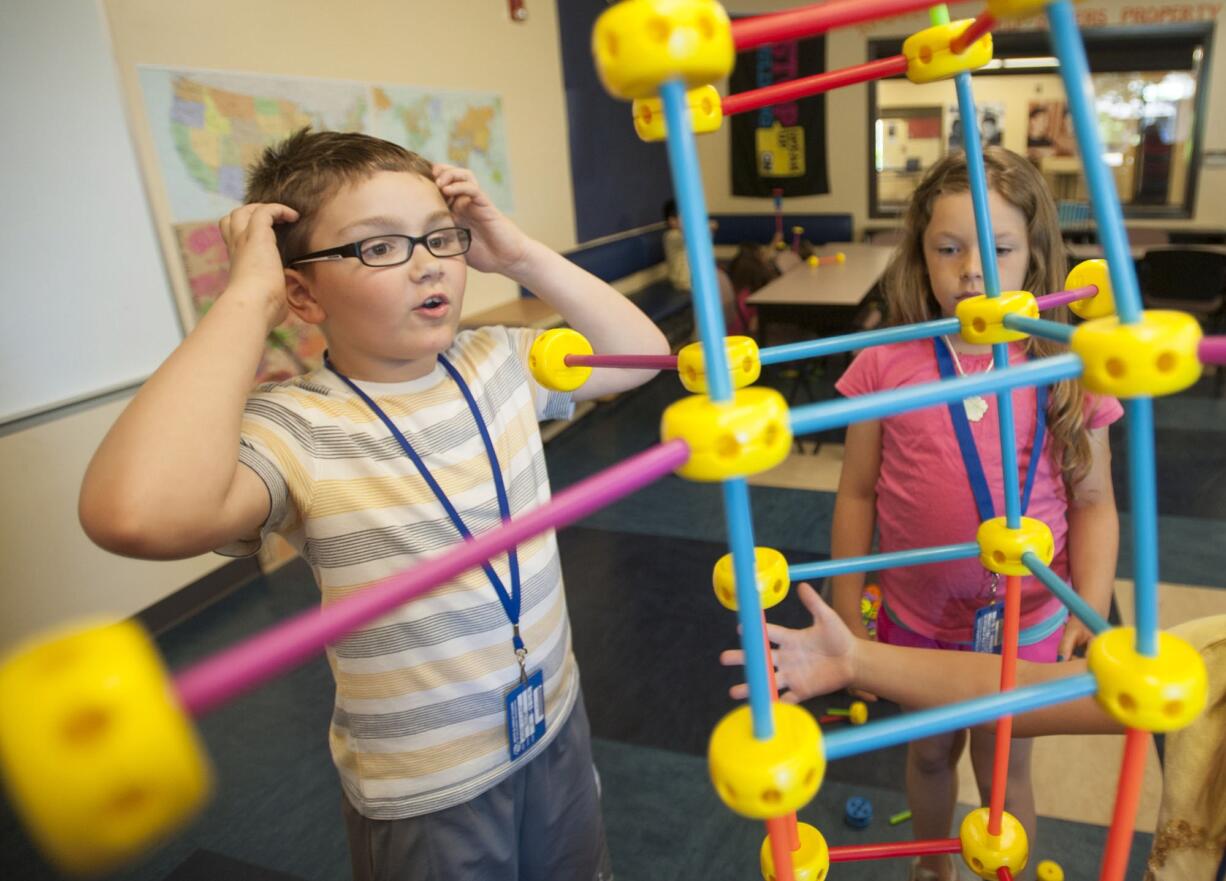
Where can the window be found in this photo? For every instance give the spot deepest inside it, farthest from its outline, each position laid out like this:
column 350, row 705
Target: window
column 1150, row 89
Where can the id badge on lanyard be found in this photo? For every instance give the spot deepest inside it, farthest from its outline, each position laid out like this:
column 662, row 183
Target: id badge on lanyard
column 989, row 622
column 989, row 619
column 525, row 702
column 525, row 707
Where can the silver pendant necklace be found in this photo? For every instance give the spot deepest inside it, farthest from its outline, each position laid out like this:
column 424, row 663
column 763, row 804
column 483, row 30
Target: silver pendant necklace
column 976, row 406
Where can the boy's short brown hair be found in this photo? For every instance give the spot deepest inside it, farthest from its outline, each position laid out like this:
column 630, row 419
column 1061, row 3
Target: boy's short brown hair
column 307, row 169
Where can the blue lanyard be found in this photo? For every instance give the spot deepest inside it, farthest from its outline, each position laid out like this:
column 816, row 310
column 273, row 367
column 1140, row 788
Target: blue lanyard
column 510, row 601
column 966, row 441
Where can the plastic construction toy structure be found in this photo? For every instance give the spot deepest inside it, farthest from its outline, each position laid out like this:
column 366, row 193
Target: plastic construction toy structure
column 96, row 746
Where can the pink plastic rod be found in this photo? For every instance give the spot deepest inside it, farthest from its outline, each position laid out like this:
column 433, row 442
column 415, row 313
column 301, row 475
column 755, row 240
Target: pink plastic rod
column 817, row 18
column 792, row 90
column 639, row 362
column 852, row 852
column 976, row 29
column 1213, row 350
column 233, row 671
column 1063, row 298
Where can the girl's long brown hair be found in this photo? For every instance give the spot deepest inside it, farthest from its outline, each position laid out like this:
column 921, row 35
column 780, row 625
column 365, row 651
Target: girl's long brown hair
column 909, row 296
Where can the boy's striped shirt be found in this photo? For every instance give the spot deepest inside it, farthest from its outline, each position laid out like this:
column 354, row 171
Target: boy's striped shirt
column 419, row 723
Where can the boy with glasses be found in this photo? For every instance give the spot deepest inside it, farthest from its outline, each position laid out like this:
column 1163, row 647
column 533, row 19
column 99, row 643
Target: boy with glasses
column 410, row 437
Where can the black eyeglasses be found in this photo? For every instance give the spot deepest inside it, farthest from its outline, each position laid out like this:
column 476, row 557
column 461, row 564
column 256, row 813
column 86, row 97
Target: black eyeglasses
column 391, row 250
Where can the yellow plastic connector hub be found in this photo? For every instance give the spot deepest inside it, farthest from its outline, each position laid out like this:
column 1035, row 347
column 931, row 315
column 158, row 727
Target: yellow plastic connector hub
column 858, row 714
column 983, row 317
column 810, row 861
column 1091, row 272
column 744, row 436
column 1049, row 870
column 929, row 57
column 984, row 852
column 1001, row 548
column 1003, row 9
column 767, row 778
column 100, row 759
column 1162, row 693
column 744, row 364
column 770, row 573
column 641, row 44
column 547, row 359
column 706, row 114
column 1154, row 356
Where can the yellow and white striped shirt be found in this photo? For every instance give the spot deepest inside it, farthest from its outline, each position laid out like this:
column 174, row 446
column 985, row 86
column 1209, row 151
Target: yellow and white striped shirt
column 419, row 723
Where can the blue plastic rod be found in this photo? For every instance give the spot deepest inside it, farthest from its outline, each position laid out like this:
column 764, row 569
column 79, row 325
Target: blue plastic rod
column 812, row 418
column 938, row 720
column 1079, row 88
column 1065, row 593
column 979, row 185
column 1008, row 444
column 1142, row 481
column 991, row 286
column 692, row 208
column 862, row 340
column 917, row 557
column 1052, row 330
column 748, row 604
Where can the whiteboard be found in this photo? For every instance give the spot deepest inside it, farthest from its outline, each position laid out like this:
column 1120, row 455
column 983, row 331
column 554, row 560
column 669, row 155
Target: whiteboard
column 86, row 305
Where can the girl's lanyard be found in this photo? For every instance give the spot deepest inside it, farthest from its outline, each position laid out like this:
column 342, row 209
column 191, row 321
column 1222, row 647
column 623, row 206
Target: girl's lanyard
column 525, row 703
column 987, row 619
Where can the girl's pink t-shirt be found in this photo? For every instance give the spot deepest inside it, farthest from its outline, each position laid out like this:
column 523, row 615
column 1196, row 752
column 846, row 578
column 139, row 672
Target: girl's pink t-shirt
column 924, row 496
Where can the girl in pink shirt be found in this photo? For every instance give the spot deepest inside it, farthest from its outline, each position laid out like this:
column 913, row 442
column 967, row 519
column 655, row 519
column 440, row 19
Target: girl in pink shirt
column 908, row 476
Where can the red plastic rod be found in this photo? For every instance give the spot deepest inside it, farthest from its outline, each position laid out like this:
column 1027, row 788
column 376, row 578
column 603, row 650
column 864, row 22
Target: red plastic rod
column 1003, row 874
column 1127, row 797
column 976, row 29
column 851, row 852
column 817, row 18
column 1008, row 680
column 781, row 847
column 792, row 90
column 639, row 362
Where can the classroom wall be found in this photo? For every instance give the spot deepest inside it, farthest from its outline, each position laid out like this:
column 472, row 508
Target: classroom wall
column 850, row 151
column 48, row 569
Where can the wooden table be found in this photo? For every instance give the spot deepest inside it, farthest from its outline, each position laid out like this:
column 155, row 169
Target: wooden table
column 1093, row 251
column 822, row 299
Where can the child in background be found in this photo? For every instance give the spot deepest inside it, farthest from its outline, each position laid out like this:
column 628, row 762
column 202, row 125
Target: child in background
column 910, row 477
column 678, row 264
column 1190, row 839
column 410, row 435
column 748, row 271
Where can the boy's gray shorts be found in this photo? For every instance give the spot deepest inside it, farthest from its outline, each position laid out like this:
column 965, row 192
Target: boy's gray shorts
column 542, row 823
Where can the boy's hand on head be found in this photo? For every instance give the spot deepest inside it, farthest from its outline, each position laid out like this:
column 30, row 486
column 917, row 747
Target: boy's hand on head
column 817, row 660
column 255, row 262
column 498, row 244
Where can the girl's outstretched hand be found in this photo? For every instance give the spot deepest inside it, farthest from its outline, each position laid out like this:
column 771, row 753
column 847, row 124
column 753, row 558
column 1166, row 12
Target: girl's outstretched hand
column 817, row 660
column 498, row 244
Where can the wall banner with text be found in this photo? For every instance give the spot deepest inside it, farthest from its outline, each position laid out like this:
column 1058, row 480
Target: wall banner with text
column 782, row 146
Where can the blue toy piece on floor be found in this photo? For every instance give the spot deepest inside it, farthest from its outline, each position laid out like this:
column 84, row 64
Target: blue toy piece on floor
column 858, row 812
